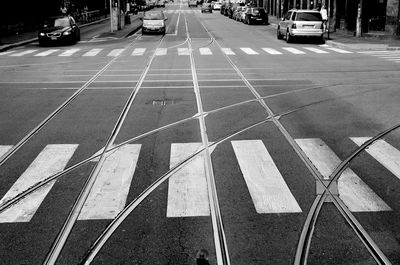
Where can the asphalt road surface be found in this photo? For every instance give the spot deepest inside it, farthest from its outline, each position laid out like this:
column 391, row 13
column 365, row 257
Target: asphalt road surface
column 222, row 138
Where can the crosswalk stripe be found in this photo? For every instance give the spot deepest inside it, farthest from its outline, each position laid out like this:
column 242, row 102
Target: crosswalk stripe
column 187, row 188
column 23, row 53
column 227, row 51
column 4, row 149
column 293, row 50
column 5, row 53
column 357, row 195
column 271, row 51
column 319, row 51
column 115, row 52
column 93, row 52
column 383, row 152
column 51, row 160
column 138, row 51
column 249, row 51
column 48, row 52
column 108, row 195
column 266, row 185
column 69, row 52
column 205, row 51
column 338, row 50
column 183, row 51
column 161, row 51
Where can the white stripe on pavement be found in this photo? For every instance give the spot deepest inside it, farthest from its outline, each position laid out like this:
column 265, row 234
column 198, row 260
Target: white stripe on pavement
column 293, row 50
column 183, row 51
column 187, row 188
column 357, row 195
column 383, row 152
column 108, row 195
column 227, row 51
column 69, row 52
column 249, row 51
column 51, row 160
column 338, row 50
column 48, row 52
column 93, row 52
column 5, row 53
column 271, row 51
column 319, row 51
column 161, row 51
column 205, row 51
column 266, row 185
column 115, row 52
column 4, row 149
column 23, row 53
column 138, row 51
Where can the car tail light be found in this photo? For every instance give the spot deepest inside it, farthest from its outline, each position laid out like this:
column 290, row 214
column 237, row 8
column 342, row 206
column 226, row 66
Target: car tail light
column 293, row 26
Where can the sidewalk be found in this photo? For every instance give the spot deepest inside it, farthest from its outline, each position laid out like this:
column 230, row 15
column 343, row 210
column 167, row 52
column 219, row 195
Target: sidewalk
column 345, row 39
column 8, row 42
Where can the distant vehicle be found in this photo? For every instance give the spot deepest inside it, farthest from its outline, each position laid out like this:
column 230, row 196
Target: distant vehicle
column 255, row 15
column 301, row 23
column 217, row 6
column 59, row 30
column 192, row 3
column 153, row 22
column 160, row 3
column 206, row 7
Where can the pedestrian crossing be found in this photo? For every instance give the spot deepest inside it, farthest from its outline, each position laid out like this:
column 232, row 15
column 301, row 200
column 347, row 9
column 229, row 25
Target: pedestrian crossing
column 206, row 51
column 187, row 188
column 388, row 55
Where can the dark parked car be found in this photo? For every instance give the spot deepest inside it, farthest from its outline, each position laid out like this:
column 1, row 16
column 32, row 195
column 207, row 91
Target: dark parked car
column 255, row 15
column 206, row 7
column 59, row 30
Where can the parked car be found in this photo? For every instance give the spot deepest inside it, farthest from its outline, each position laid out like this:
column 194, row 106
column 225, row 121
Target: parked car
column 59, row 30
column 192, row 3
column 153, row 22
column 206, row 7
column 217, row 6
column 255, row 15
column 301, row 23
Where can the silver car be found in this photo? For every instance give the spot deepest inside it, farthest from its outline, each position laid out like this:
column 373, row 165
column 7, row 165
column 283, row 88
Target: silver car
column 301, row 23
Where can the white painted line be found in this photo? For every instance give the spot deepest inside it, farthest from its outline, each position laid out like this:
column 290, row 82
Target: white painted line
column 4, row 149
column 108, row 195
column 183, row 51
column 205, row 51
column 357, row 195
column 383, row 152
column 48, row 52
column 5, row 53
column 51, row 160
column 227, row 51
column 138, row 51
column 187, row 188
column 271, row 51
column 319, row 51
column 23, row 53
column 161, row 51
column 115, row 52
column 374, row 52
column 69, row 52
column 266, row 185
column 339, row 50
column 93, row 52
column 249, row 51
column 293, row 50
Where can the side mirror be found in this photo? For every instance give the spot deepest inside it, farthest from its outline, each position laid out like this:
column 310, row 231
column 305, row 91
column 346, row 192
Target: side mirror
column 166, row 18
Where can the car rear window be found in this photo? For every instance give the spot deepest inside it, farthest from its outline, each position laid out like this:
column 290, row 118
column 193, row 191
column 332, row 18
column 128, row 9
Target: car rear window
column 153, row 16
column 312, row 16
column 258, row 11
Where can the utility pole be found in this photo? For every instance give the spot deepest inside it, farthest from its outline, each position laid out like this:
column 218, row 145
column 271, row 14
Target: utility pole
column 359, row 19
column 111, row 16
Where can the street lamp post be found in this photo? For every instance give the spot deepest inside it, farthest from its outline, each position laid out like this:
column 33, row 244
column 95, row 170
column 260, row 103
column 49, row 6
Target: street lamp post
column 111, row 16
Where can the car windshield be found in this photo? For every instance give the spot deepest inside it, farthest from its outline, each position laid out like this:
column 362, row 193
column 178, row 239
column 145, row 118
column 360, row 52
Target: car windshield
column 61, row 22
column 314, row 16
column 153, row 15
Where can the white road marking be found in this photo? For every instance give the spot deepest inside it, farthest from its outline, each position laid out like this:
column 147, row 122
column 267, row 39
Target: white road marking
column 69, row 52
column 48, row 52
column 338, row 50
column 383, row 152
column 183, row 51
column 115, row 52
column 357, row 195
column 227, row 51
column 51, row 160
column 5, row 53
column 266, row 185
column 108, row 195
column 23, row 53
column 138, row 51
column 93, row 52
column 205, row 51
column 271, row 51
column 293, row 50
column 161, row 51
column 187, row 189
column 319, row 51
column 4, row 149
column 249, row 51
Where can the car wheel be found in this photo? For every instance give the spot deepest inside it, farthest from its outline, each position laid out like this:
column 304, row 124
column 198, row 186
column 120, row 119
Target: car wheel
column 249, row 21
column 289, row 38
column 278, row 34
